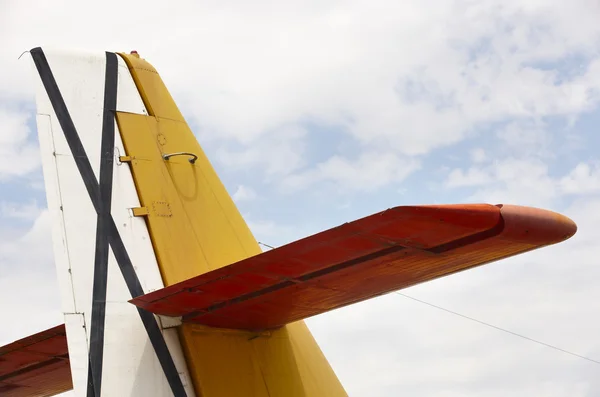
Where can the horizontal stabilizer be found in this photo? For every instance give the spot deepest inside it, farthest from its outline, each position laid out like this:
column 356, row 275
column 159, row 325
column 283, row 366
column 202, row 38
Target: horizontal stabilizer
column 36, row 366
column 384, row 252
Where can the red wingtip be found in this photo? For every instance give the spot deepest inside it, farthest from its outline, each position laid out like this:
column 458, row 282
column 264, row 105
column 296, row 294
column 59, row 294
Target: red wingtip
column 536, row 225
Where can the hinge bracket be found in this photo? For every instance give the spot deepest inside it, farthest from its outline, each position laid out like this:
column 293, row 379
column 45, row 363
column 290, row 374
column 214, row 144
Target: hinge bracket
column 140, row 211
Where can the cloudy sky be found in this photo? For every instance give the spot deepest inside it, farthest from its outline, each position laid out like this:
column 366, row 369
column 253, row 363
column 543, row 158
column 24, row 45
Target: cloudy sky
column 319, row 112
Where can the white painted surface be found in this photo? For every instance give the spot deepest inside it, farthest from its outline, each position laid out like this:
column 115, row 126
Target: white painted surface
column 130, row 367
column 77, row 341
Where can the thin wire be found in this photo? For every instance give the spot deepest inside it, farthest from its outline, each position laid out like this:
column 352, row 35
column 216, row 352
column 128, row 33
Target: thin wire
column 498, row 328
column 488, row 324
column 266, row 245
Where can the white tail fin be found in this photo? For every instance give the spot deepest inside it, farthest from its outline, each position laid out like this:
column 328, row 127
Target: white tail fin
column 104, row 255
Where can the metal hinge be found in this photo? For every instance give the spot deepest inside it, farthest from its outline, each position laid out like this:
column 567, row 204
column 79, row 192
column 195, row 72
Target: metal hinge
column 140, row 211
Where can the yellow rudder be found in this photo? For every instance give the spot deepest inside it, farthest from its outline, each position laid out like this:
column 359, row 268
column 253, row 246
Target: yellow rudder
column 195, row 227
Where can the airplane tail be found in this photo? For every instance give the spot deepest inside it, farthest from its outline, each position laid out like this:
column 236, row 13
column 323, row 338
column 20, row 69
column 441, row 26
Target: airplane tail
column 104, row 254
column 137, row 206
column 164, row 289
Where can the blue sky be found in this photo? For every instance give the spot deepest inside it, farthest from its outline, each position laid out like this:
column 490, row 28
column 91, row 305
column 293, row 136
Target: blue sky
column 316, row 113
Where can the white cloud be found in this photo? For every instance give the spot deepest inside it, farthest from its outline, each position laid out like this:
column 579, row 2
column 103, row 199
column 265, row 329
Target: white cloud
column 509, row 180
column 584, row 178
column 275, row 156
column 28, row 286
column 400, row 79
column 344, row 64
column 19, row 155
column 548, row 295
column 243, row 193
column 472, row 177
column 24, row 211
column 524, row 181
column 31, row 250
column 525, row 138
column 370, row 171
column 478, row 155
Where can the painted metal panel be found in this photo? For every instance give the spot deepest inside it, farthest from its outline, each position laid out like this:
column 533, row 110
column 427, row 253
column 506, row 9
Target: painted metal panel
column 202, row 230
column 77, row 337
column 387, row 251
column 121, row 345
column 55, row 205
column 36, row 366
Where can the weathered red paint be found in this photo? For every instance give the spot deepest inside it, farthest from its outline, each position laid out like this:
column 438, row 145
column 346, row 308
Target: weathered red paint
column 36, row 366
column 387, row 251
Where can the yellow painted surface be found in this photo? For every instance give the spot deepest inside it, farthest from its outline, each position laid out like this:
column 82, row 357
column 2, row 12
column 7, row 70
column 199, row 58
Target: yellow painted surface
column 195, row 227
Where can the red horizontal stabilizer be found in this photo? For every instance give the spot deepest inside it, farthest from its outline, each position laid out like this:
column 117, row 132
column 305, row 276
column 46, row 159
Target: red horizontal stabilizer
column 356, row 261
column 36, row 366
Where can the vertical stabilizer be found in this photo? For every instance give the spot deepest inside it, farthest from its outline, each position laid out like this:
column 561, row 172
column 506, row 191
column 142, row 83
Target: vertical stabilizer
column 195, row 228
column 137, row 206
column 104, row 254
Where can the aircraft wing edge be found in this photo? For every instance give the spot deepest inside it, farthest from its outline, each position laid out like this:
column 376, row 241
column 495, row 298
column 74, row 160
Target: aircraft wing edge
column 381, row 253
column 37, row 365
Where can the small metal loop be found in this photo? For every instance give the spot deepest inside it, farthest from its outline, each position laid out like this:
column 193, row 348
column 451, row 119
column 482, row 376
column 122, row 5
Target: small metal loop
column 192, row 160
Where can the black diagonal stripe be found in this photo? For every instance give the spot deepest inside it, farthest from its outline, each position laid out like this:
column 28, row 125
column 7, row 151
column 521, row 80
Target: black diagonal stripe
column 114, row 238
column 96, row 353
